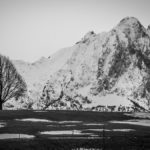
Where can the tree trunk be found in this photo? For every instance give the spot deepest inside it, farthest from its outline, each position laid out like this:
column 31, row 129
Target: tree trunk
column 1, row 106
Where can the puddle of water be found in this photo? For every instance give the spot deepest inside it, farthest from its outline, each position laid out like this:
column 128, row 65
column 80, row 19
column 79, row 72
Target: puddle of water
column 97, row 130
column 69, row 125
column 134, row 122
column 2, row 124
column 64, row 132
column 63, row 122
column 123, row 130
column 93, row 124
column 34, row 120
column 94, row 135
column 115, row 130
column 61, row 125
column 15, row 136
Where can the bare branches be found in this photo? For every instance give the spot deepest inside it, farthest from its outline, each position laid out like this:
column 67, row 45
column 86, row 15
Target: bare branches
column 11, row 83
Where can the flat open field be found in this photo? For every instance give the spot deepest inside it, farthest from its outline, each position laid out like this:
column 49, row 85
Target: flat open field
column 24, row 129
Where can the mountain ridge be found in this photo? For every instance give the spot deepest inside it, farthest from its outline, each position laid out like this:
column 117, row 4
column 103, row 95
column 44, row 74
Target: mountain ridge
column 98, row 67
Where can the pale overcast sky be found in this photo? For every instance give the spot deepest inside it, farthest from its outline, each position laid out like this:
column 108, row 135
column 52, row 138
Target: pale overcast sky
column 30, row 29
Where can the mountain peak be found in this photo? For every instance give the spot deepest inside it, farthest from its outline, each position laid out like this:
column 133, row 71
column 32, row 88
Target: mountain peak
column 132, row 28
column 129, row 21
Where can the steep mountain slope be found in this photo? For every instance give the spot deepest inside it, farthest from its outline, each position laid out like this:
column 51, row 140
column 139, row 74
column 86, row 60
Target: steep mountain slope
column 124, row 67
column 104, row 71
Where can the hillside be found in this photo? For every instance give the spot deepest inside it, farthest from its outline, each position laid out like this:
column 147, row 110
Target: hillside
column 100, row 72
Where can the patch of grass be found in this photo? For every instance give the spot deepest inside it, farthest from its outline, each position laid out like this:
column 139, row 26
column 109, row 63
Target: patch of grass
column 60, row 115
column 113, row 143
column 112, row 139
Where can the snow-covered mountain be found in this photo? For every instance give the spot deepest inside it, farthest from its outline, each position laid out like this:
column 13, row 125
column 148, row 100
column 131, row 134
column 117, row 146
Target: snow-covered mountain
column 37, row 73
column 103, row 71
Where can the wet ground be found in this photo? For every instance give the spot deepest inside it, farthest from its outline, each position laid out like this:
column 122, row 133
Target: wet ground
column 72, row 125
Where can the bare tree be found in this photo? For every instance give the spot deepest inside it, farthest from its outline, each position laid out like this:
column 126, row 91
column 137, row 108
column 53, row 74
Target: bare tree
column 11, row 83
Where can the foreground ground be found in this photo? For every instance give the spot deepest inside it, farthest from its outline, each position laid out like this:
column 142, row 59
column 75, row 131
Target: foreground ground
column 73, row 129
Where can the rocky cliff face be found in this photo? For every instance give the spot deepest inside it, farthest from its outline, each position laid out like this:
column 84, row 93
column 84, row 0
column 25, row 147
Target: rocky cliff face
column 124, row 64
column 102, row 71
